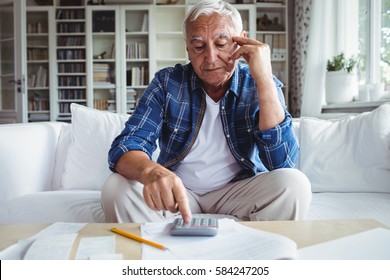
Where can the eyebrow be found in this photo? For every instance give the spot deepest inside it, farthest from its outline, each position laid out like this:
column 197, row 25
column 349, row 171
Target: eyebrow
column 217, row 36
column 196, row 38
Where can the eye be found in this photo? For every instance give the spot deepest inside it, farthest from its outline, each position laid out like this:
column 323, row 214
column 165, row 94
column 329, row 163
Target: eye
column 221, row 44
column 198, row 49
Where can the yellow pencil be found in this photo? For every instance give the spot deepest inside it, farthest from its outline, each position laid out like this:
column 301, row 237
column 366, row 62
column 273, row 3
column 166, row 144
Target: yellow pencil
column 139, row 239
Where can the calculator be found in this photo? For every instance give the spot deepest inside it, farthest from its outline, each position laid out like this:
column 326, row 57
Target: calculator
column 196, row 227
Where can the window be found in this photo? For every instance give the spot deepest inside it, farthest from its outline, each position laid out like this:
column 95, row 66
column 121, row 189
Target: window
column 374, row 45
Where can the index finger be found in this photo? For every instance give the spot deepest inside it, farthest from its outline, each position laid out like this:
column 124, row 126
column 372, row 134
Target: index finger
column 183, row 205
column 245, row 41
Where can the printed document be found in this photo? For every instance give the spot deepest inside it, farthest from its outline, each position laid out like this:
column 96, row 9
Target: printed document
column 233, row 242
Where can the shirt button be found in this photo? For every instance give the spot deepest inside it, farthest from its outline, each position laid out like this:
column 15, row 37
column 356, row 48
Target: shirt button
column 223, row 107
column 249, row 130
column 175, row 130
column 228, row 136
column 242, row 159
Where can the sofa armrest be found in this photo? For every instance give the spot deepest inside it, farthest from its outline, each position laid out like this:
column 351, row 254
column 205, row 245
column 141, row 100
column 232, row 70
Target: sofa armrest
column 27, row 156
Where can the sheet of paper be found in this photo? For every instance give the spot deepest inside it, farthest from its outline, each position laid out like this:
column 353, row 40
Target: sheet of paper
column 52, row 247
column 369, row 245
column 90, row 246
column 106, row 257
column 60, row 228
column 233, row 242
column 18, row 250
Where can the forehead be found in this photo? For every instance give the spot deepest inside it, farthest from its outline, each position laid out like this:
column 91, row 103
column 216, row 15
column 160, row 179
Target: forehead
column 210, row 27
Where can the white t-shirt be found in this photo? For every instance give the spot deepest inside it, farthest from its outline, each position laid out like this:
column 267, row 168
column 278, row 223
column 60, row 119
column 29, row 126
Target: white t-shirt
column 210, row 164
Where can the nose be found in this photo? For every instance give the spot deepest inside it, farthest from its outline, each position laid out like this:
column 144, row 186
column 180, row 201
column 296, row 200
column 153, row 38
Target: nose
column 211, row 54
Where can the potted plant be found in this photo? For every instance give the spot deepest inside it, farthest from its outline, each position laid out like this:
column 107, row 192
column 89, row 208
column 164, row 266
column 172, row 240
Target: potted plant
column 341, row 80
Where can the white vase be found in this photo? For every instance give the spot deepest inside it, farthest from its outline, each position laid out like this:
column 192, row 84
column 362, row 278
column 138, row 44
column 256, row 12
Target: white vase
column 340, row 87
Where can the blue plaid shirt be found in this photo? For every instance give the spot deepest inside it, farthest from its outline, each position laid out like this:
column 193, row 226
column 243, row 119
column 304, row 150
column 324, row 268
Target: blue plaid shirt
column 171, row 111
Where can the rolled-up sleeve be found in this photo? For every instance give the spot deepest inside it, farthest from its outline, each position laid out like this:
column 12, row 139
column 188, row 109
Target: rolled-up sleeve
column 141, row 130
column 278, row 146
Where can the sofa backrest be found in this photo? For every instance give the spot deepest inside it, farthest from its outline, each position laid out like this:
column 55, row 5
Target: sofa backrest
column 350, row 154
column 93, row 131
column 27, row 157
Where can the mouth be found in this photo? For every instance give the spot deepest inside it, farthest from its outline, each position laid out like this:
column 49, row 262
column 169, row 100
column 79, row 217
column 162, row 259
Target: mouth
column 212, row 69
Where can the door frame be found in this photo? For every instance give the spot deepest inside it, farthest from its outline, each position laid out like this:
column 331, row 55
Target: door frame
column 19, row 113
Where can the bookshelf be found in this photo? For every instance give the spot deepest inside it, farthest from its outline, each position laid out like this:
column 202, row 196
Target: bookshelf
column 38, row 67
column 103, row 83
column 119, row 55
column 137, row 42
column 104, row 56
column 170, row 48
column 271, row 28
column 71, row 83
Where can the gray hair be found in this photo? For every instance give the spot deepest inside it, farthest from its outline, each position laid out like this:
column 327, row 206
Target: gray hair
column 209, row 7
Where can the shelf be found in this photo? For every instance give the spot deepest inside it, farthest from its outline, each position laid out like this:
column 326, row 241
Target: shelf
column 71, row 100
column 137, row 33
column 353, row 107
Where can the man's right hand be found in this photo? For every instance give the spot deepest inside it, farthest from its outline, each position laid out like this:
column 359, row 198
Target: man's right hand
column 163, row 189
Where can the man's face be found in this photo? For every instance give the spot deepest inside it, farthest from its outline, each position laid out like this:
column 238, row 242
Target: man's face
column 209, row 46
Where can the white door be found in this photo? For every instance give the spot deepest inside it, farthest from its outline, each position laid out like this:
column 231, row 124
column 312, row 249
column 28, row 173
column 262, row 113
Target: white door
column 12, row 89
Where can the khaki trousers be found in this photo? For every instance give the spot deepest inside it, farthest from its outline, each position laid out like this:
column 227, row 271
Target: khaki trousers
column 283, row 194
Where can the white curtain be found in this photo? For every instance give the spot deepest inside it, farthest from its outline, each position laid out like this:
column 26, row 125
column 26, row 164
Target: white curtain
column 333, row 28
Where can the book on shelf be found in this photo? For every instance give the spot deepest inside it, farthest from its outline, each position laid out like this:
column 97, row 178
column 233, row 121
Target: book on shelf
column 65, row 81
column 67, row 41
column 35, row 28
column 131, row 94
column 113, row 51
column 37, row 53
column 70, row 27
column 136, row 76
column 39, row 78
column 66, row 14
column 38, row 103
column 71, row 54
column 71, row 67
column 71, row 94
column 101, row 73
column 145, row 23
column 279, row 50
column 136, row 50
column 100, row 103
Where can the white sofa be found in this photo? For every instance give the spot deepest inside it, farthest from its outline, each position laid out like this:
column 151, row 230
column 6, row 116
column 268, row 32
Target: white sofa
column 53, row 171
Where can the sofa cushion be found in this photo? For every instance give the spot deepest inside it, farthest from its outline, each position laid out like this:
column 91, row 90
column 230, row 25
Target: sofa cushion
column 93, row 131
column 53, row 206
column 332, row 206
column 351, row 154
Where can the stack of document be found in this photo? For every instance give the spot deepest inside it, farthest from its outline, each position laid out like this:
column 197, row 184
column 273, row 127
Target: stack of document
column 55, row 243
column 233, row 242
